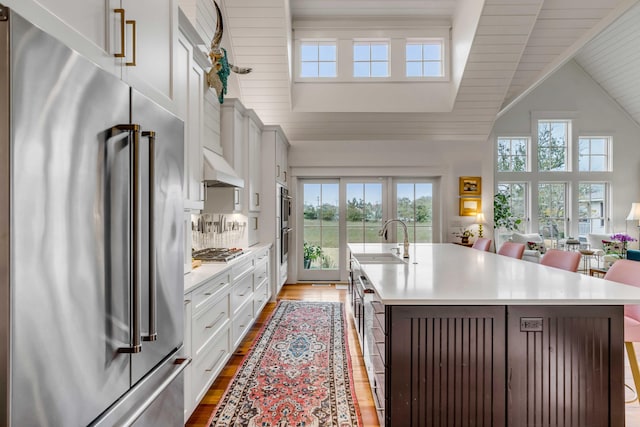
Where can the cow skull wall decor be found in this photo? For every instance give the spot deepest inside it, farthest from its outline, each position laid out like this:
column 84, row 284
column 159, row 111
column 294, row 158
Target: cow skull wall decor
column 219, row 72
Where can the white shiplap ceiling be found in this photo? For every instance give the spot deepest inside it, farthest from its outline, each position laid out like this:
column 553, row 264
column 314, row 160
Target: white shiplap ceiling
column 516, row 44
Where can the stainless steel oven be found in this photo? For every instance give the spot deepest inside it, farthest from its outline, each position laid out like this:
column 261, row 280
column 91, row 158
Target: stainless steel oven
column 285, row 230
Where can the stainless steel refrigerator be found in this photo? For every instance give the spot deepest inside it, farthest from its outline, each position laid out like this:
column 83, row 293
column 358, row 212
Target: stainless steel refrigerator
column 91, row 242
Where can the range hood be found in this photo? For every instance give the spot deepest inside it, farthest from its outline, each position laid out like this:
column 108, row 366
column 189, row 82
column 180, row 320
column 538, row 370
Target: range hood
column 218, row 173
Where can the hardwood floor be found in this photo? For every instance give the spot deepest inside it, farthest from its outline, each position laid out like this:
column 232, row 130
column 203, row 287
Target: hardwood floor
column 203, row 412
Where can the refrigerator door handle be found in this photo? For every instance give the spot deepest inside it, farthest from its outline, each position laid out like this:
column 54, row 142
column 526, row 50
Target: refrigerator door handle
column 153, row 332
column 134, row 150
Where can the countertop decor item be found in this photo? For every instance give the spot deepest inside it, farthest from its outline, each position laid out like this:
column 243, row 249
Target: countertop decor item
column 297, row 373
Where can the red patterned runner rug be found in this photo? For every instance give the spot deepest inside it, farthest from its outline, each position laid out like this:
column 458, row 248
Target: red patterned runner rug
column 298, row 372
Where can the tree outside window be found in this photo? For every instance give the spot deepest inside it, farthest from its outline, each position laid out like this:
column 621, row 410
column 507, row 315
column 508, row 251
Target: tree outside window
column 553, row 140
column 512, row 154
column 552, row 210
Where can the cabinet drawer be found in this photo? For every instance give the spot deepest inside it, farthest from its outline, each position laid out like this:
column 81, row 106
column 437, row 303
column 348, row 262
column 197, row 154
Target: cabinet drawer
column 209, row 363
column 242, row 268
column 260, row 298
column 378, row 315
column 261, row 272
column 241, row 291
column 209, row 321
column 378, row 342
column 206, row 293
column 261, row 255
column 242, row 322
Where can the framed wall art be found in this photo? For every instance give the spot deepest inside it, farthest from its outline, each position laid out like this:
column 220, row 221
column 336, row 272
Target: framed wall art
column 470, row 185
column 470, row 206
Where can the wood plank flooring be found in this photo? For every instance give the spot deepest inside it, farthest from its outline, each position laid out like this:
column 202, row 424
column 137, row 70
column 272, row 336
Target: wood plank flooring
column 299, row 292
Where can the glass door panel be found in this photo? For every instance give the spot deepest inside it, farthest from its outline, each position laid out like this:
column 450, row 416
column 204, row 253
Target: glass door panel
column 552, row 212
column 363, row 212
column 414, row 206
column 320, row 229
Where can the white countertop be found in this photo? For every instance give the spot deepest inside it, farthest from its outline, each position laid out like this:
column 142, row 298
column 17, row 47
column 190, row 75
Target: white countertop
column 448, row 274
column 199, row 276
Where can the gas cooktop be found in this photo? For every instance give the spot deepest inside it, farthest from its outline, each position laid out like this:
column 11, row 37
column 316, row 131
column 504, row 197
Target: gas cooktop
column 218, row 254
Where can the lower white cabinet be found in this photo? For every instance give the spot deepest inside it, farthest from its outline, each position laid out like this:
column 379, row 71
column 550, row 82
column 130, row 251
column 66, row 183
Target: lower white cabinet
column 218, row 314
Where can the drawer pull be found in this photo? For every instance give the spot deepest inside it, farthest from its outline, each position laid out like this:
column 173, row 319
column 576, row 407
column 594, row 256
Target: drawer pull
column 216, row 362
column 208, row 294
column 220, row 316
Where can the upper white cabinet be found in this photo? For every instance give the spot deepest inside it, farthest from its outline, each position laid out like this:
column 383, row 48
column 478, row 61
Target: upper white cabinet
column 151, row 29
column 282, row 162
column 139, row 48
column 190, row 89
column 233, row 138
column 254, row 172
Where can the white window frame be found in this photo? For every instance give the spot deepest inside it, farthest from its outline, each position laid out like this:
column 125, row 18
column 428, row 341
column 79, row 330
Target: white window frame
column 442, row 61
column 317, row 42
column 527, row 167
column 567, row 147
column 607, row 155
column 371, row 61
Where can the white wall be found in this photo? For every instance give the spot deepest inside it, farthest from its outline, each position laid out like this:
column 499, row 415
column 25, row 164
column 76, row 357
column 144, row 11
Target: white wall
column 571, row 90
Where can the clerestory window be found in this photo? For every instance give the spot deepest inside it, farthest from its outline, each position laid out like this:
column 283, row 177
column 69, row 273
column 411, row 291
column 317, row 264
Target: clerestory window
column 370, row 59
column 318, row 59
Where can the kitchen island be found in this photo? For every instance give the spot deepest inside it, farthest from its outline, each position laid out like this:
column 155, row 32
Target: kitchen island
column 457, row 336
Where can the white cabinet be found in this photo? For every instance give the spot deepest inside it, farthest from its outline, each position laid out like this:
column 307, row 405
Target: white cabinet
column 207, row 332
column 254, row 173
column 151, row 29
column 282, row 156
column 218, row 314
column 95, row 29
column 274, row 165
column 189, row 101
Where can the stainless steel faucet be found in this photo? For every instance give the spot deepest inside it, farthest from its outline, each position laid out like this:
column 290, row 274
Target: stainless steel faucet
column 383, row 232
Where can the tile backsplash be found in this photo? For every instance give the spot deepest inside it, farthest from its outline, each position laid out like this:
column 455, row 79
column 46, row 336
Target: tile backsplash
column 218, row 231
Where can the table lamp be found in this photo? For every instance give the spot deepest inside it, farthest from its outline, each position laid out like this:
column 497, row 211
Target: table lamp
column 480, row 221
column 634, row 213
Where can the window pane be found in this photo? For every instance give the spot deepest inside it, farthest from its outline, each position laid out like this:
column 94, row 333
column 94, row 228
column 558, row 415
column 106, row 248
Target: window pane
column 327, row 69
column 379, row 69
column 361, row 52
column 309, row 69
column 598, row 146
column 327, row 53
column 414, row 69
column 414, row 52
column 552, row 145
column 583, row 163
column 309, row 52
column 379, row 52
column 432, row 69
column 598, row 164
column 361, row 69
column 432, row 52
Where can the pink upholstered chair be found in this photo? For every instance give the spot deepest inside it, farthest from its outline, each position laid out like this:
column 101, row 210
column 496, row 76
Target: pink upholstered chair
column 628, row 272
column 482, row 244
column 511, row 249
column 566, row 260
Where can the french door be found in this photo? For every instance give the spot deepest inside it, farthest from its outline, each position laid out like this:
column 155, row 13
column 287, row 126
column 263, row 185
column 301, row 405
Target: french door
column 338, row 211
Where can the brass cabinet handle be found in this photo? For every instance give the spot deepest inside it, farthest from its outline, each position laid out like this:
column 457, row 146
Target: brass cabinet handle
column 122, row 20
column 257, row 199
column 133, row 41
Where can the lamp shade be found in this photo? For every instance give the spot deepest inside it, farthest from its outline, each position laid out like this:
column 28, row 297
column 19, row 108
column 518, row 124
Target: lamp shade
column 480, row 217
column 634, row 213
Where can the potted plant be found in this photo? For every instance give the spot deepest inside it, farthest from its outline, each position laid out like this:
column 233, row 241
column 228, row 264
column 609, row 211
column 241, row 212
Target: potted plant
column 503, row 218
column 311, row 253
column 464, row 234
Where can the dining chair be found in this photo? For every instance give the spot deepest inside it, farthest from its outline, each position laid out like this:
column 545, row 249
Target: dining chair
column 628, row 272
column 482, row 244
column 566, row 260
column 511, row 249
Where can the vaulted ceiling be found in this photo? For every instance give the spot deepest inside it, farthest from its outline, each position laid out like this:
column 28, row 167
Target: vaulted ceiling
column 503, row 49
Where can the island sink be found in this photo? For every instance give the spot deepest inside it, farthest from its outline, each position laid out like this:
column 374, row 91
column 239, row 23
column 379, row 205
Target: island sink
column 381, row 258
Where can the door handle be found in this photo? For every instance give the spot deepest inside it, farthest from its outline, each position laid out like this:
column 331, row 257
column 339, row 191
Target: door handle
column 153, row 332
column 133, row 42
column 134, row 153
